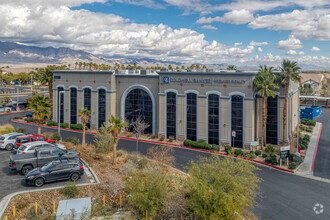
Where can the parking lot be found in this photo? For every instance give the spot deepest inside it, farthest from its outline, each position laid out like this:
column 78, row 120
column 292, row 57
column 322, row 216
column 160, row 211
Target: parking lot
column 11, row 181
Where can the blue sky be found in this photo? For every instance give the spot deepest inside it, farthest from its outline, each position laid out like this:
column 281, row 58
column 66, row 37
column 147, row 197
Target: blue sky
column 240, row 32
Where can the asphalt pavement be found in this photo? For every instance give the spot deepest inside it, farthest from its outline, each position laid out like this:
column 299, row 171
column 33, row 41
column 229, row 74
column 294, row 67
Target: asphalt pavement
column 282, row 195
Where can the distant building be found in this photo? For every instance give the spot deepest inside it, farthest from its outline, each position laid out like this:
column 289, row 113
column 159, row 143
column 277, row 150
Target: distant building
column 313, row 81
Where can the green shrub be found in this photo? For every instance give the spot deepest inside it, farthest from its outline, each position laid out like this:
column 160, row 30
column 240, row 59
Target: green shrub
column 228, row 149
column 170, row 138
column 5, row 129
column 161, row 138
column 270, row 150
column 74, row 140
column 215, row 147
column 56, row 136
column 76, row 126
column 102, row 141
column 271, row 160
column 70, row 190
column 52, row 123
column 264, row 155
column 21, row 130
column 153, row 136
column 141, row 164
column 119, row 153
column 29, row 120
column 201, row 144
column 129, row 135
column 307, row 137
column 292, row 166
column 309, row 129
column 238, row 152
column 303, row 143
column 64, row 125
column 258, row 152
column 16, row 117
column 308, row 122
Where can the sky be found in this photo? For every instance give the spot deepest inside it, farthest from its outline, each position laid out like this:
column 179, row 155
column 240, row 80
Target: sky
column 239, row 32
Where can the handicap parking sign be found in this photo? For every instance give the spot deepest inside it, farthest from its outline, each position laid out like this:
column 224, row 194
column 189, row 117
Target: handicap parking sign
column 166, row 79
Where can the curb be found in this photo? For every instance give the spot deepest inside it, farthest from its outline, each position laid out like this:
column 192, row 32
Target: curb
column 317, row 145
column 8, row 113
column 169, row 144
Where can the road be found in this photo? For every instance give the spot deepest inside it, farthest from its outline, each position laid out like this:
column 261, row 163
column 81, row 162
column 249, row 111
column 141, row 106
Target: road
column 322, row 160
column 282, row 195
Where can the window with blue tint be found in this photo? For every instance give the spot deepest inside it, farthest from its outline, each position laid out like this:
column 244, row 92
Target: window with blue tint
column 101, row 107
column 138, row 102
column 60, row 107
column 87, row 102
column 272, row 122
column 191, row 116
column 171, row 114
column 73, row 106
column 237, row 120
column 213, row 119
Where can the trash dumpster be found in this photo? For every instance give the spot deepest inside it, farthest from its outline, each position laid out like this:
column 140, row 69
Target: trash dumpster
column 310, row 112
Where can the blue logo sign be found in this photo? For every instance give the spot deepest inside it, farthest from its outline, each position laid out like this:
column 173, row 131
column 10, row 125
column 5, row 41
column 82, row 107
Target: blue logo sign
column 166, row 80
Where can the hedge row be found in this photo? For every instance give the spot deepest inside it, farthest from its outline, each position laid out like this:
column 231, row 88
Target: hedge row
column 201, row 144
column 308, row 122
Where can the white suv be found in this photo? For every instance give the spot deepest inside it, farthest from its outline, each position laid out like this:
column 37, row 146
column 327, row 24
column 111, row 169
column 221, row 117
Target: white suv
column 31, row 146
column 7, row 141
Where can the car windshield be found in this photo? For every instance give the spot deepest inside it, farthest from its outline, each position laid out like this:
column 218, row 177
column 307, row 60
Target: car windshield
column 22, row 140
column 22, row 148
column 47, row 167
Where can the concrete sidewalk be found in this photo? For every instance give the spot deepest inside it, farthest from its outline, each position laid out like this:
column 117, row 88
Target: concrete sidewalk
column 306, row 168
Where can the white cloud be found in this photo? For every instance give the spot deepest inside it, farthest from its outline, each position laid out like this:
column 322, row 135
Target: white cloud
column 301, row 53
column 314, row 49
column 291, row 43
column 291, row 52
column 216, row 49
column 210, row 27
column 259, row 49
column 233, row 17
column 146, row 3
column 252, row 43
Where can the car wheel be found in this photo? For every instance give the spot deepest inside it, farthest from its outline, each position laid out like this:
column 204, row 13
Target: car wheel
column 9, row 147
column 74, row 177
column 26, row 169
column 39, row 182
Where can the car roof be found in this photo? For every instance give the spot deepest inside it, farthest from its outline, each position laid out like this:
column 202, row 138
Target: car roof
column 30, row 135
column 11, row 134
column 67, row 160
column 47, row 148
column 29, row 144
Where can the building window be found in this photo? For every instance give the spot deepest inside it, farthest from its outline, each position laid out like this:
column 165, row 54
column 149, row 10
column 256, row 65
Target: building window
column 139, row 103
column 171, row 114
column 73, row 106
column 87, row 102
column 60, row 108
column 237, row 121
column 272, row 122
column 213, row 119
column 101, row 107
column 191, row 116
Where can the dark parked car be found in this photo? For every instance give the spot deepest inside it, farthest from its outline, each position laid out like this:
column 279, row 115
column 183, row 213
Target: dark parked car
column 25, row 162
column 55, row 171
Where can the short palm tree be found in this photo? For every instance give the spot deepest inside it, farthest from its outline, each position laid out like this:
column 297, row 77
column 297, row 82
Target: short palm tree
column 231, row 67
column 265, row 83
column 84, row 114
column 289, row 71
column 41, row 106
column 116, row 126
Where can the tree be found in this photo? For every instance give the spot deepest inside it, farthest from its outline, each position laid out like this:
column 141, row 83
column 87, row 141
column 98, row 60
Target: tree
column 198, row 66
column 116, row 126
column 183, row 67
column 5, row 100
column 231, row 67
column 204, row 67
column 265, row 82
column 102, row 141
column 221, row 188
column 306, row 90
column 289, row 71
column 139, row 126
column 84, row 114
column 41, row 106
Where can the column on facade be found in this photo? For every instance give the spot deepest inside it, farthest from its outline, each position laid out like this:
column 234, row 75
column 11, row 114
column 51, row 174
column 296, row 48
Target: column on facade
column 225, row 121
column 55, row 104
column 108, row 105
column 249, row 121
column 181, row 114
column 67, row 105
column 113, row 103
column 162, row 115
column 202, row 118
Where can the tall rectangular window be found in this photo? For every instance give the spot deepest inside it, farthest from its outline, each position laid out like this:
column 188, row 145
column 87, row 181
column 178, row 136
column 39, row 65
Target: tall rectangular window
column 73, row 106
column 213, row 119
column 87, row 101
column 272, row 122
column 237, row 121
column 101, row 107
column 60, row 97
column 191, row 116
column 171, row 114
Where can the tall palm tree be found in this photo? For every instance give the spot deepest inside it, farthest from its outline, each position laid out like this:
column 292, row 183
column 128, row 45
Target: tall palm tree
column 41, row 106
column 231, row 67
column 84, row 114
column 289, row 71
column 265, row 82
column 116, row 125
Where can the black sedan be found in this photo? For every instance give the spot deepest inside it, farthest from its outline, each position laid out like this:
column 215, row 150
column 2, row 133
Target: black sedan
column 55, row 171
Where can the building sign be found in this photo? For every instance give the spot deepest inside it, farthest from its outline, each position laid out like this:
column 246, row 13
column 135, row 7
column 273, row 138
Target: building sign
column 254, row 143
column 285, row 152
column 233, row 133
column 167, row 80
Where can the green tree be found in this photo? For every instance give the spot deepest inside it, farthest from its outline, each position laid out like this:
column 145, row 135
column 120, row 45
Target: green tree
column 289, row 71
column 231, row 67
column 102, row 141
column 116, row 126
column 41, row 106
column 198, row 66
column 265, row 82
column 84, row 115
column 5, row 100
column 307, row 90
column 221, row 188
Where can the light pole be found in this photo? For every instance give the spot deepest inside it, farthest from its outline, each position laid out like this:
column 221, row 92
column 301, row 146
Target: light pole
column 59, row 112
column 17, row 107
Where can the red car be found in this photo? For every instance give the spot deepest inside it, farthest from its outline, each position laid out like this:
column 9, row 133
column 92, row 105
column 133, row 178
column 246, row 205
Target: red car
column 30, row 138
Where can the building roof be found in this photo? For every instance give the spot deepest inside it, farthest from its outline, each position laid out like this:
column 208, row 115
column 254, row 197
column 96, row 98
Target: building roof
column 318, row 77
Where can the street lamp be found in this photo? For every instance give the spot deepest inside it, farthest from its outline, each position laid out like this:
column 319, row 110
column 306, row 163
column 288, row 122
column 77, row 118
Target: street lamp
column 59, row 112
column 17, row 86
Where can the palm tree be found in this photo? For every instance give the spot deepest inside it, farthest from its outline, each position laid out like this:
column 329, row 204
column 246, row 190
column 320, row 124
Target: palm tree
column 265, row 82
column 289, row 71
column 84, row 114
column 198, row 66
column 41, row 106
column 231, row 67
column 182, row 67
column 116, row 125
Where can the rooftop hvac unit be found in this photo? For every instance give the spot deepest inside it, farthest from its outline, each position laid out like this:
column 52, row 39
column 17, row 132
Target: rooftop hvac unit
column 143, row 72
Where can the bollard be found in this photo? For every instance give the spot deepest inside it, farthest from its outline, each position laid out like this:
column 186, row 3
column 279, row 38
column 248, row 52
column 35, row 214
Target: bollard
column 120, row 200
column 6, row 218
column 103, row 201
column 14, row 211
column 54, row 207
column 146, row 214
column 36, row 208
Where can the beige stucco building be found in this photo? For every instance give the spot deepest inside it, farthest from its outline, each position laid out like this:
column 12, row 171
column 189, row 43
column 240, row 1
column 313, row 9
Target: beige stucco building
column 220, row 107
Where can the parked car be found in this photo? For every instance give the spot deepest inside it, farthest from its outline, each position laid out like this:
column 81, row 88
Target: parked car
column 23, row 163
column 31, row 138
column 29, row 114
column 7, row 141
column 55, row 171
column 31, row 146
column 4, row 109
